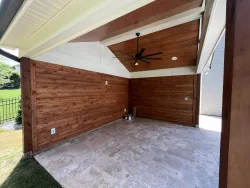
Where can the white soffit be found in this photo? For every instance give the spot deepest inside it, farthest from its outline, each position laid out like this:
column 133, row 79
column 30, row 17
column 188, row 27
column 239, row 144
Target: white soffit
column 44, row 24
column 215, row 30
column 188, row 16
column 164, row 72
column 33, row 15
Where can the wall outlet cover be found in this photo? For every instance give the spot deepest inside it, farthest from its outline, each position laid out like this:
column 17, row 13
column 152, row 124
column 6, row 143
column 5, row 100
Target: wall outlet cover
column 53, row 131
column 125, row 110
column 106, row 82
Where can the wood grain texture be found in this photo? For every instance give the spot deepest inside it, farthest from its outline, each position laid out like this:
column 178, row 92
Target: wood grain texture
column 196, row 103
column 235, row 145
column 163, row 98
column 75, row 101
column 28, row 87
column 150, row 13
column 179, row 41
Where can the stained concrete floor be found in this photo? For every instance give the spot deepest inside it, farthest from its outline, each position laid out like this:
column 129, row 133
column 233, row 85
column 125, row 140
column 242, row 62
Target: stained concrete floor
column 137, row 154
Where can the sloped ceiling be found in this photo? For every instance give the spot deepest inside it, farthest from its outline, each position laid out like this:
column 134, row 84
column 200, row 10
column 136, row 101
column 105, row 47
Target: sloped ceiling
column 41, row 25
column 179, row 41
column 150, row 13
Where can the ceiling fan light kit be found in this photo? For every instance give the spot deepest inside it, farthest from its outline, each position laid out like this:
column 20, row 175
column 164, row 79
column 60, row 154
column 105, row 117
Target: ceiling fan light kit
column 140, row 57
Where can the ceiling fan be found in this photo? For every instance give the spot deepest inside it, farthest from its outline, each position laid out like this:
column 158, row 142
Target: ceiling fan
column 139, row 54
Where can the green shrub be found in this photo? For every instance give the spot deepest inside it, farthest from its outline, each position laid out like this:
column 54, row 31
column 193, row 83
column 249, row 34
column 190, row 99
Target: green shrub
column 19, row 114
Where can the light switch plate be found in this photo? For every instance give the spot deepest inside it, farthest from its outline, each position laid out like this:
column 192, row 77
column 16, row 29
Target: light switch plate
column 106, row 82
column 53, row 131
column 125, row 110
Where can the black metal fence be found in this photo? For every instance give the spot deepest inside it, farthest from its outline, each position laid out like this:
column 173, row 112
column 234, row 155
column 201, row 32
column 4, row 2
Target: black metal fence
column 9, row 109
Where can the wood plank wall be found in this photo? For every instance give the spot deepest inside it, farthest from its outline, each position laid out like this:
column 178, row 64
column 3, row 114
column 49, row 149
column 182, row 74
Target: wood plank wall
column 163, row 98
column 74, row 101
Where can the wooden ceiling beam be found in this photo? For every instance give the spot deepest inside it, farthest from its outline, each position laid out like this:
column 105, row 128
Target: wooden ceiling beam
column 185, row 17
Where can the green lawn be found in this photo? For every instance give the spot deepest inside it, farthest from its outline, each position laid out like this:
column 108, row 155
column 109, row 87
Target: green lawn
column 9, row 112
column 18, row 173
column 9, row 93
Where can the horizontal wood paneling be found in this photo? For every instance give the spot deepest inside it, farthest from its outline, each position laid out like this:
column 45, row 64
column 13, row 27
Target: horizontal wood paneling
column 180, row 41
column 75, row 101
column 150, row 13
column 163, row 98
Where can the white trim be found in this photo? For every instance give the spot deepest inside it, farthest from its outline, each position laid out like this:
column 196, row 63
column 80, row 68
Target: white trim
column 51, row 20
column 215, row 29
column 164, row 72
column 188, row 16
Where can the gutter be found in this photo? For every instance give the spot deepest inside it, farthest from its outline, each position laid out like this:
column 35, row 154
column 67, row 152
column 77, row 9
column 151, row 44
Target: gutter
column 9, row 56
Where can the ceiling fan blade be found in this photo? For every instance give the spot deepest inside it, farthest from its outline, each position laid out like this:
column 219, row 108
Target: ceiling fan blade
column 149, row 55
column 124, row 58
column 144, row 61
column 126, row 53
column 151, row 58
column 141, row 52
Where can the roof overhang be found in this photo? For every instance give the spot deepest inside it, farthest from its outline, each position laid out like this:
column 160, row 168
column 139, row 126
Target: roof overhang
column 8, row 10
column 65, row 22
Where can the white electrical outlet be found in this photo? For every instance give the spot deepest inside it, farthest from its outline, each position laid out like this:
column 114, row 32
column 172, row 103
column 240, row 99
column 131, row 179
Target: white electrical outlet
column 53, row 131
column 106, row 82
column 125, row 110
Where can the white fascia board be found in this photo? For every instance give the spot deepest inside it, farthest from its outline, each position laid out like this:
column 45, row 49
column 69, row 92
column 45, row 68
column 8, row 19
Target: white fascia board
column 188, row 16
column 164, row 72
column 79, row 18
column 214, row 32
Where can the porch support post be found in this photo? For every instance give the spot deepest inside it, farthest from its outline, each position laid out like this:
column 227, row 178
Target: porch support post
column 28, row 105
column 235, row 138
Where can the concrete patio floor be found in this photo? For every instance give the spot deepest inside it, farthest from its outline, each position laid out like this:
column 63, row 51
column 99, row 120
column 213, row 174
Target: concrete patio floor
column 137, row 154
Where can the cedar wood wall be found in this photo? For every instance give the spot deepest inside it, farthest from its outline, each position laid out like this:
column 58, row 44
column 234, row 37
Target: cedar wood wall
column 163, row 98
column 75, row 101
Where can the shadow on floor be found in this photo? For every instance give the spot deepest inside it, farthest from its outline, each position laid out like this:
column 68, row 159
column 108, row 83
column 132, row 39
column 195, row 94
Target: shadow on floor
column 30, row 174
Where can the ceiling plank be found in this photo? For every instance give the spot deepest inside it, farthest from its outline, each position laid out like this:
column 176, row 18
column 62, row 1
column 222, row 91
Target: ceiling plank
column 175, row 20
column 148, row 14
column 179, row 41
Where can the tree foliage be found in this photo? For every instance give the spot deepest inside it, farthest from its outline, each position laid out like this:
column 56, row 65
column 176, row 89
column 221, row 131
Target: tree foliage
column 9, row 78
column 19, row 114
